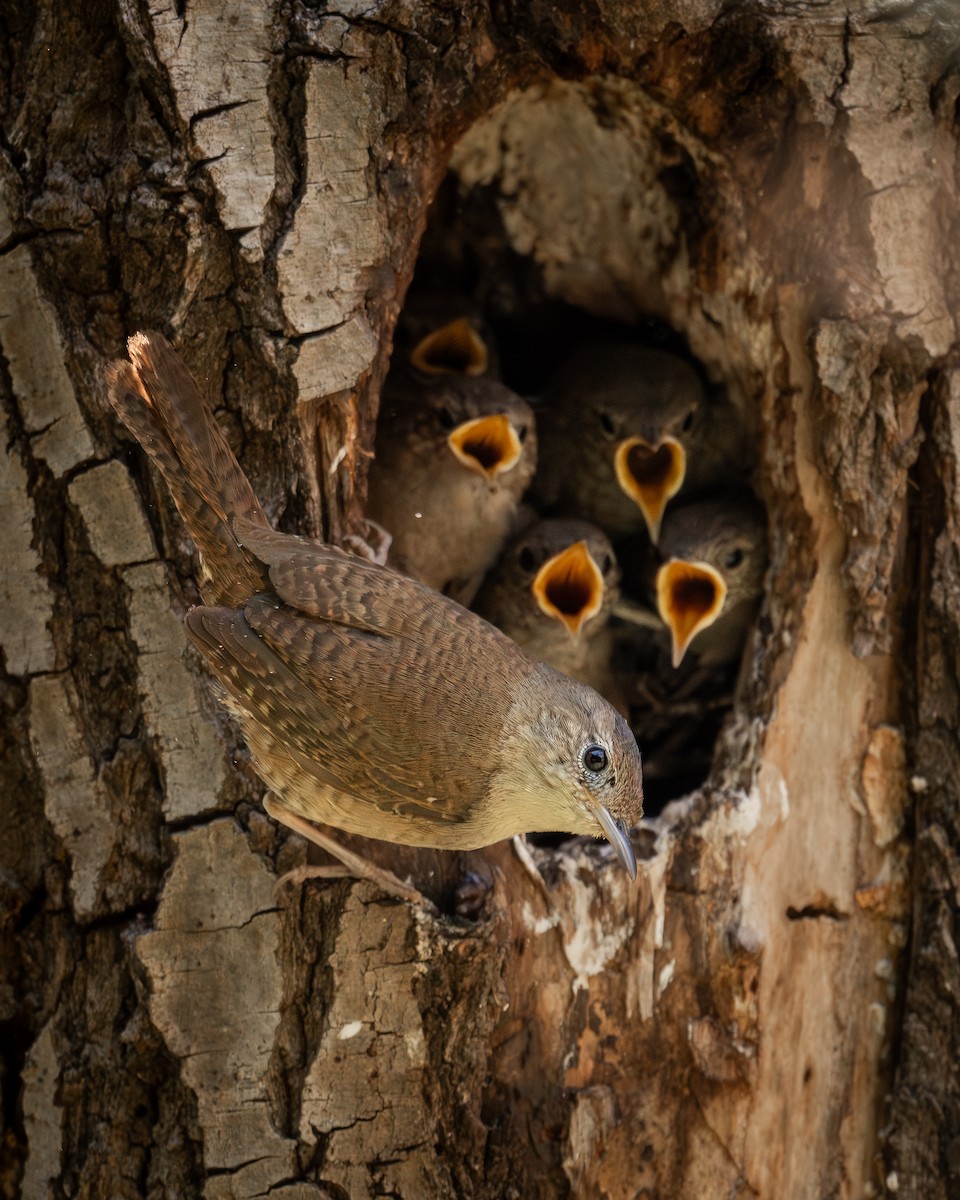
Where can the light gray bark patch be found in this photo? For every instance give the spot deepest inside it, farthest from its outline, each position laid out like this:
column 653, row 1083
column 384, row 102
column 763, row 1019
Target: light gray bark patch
column 892, row 134
column 74, row 802
column 190, row 751
column 339, row 229
column 219, row 63
column 42, row 1117
column 333, row 362
column 869, row 439
column 32, row 346
column 26, row 602
column 113, row 515
column 364, row 1088
column 215, row 993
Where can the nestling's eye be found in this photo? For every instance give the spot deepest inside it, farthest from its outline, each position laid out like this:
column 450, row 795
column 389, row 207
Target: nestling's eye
column 527, row 560
column 595, row 759
column 445, row 417
column 733, row 559
column 522, row 434
column 687, row 422
column 607, row 425
column 607, row 565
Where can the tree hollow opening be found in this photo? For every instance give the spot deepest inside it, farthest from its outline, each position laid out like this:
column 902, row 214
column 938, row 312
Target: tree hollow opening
column 586, row 251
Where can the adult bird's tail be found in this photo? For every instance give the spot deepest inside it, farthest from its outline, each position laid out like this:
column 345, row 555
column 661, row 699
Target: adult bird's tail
column 158, row 401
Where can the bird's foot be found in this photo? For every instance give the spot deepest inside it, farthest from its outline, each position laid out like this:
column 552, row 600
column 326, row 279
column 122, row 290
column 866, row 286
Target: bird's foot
column 374, row 546
column 348, row 862
column 303, row 874
column 472, row 896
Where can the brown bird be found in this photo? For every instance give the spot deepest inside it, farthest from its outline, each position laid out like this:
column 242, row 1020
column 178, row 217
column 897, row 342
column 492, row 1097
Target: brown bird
column 618, row 426
column 369, row 701
column 708, row 591
column 442, row 330
column 553, row 591
column 454, row 456
column 455, row 348
column 709, row 586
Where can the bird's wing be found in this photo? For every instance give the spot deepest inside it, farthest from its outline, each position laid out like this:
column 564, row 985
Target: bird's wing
column 325, row 582
column 362, row 712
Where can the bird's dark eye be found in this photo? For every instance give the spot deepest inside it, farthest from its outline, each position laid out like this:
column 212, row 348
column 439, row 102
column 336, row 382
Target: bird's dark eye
column 445, row 417
column 527, row 559
column 733, row 559
column 522, row 434
column 595, row 759
column 606, row 565
column 607, row 425
column 687, row 422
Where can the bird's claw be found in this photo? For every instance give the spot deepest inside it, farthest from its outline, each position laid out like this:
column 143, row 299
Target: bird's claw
column 374, row 546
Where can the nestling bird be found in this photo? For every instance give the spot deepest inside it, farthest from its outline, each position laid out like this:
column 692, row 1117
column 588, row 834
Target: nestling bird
column 711, row 581
column 708, row 591
column 368, row 700
column 618, row 427
column 454, row 456
column 454, row 348
column 553, row 591
column 442, row 329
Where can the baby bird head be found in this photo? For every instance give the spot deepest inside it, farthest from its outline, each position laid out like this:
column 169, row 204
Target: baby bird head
column 480, row 424
column 715, row 555
column 558, row 573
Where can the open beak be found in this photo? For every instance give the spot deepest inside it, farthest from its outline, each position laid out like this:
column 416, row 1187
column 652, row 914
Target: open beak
column 487, row 445
column 453, row 349
column 650, row 473
column 569, row 587
column 619, row 838
column 690, row 597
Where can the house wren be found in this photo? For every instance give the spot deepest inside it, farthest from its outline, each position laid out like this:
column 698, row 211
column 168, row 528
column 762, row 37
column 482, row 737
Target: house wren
column 454, row 348
column 553, row 591
column 618, row 426
column 369, row 701
column 454, row 455
column 707, row 592
column 710, row 584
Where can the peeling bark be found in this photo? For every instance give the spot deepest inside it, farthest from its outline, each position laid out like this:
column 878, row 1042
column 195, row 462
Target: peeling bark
column 773, row 1009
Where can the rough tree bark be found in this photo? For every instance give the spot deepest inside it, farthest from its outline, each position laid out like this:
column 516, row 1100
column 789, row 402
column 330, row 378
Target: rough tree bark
column 773, row 1010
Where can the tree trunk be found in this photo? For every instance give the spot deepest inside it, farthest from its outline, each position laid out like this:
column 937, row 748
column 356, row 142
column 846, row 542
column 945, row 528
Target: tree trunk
column 774, row 1009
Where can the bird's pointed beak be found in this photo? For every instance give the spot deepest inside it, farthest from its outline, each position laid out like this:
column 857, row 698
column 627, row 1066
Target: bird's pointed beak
column 487, row 445
column 569, row 587
column 454, row 349
column 650, row 473
column 690, row 597
column 618, row 837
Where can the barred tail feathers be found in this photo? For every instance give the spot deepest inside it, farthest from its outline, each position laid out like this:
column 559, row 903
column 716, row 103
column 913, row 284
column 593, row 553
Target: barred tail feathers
column 158, row 401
